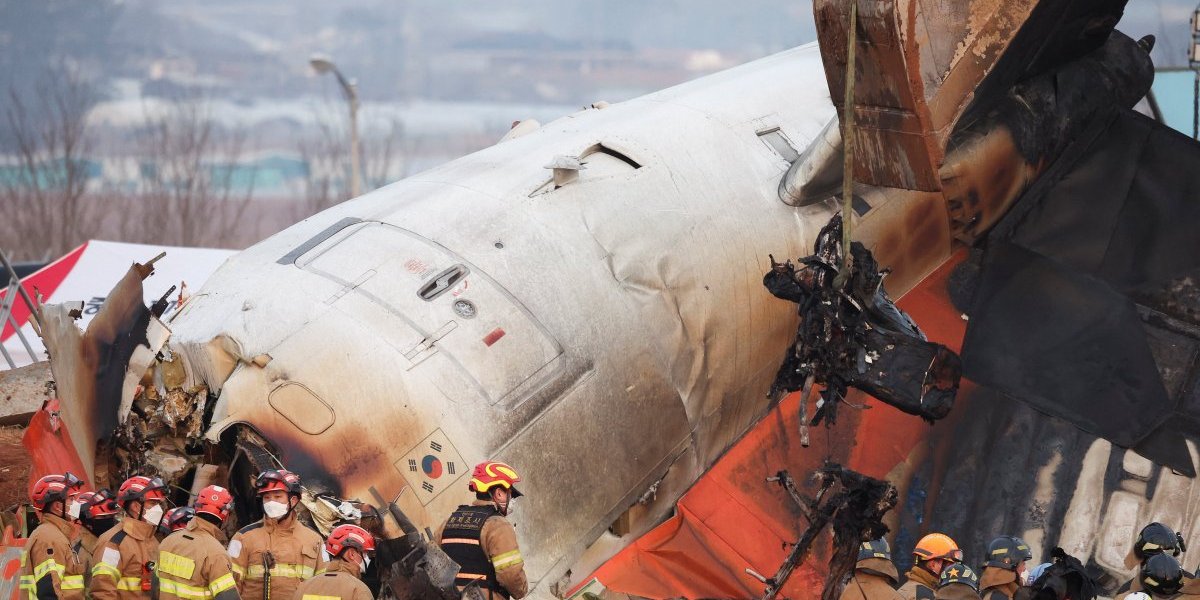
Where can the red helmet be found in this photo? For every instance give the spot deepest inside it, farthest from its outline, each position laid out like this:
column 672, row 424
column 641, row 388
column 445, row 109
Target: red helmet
column 349, row 536
column 177, row 518
column 214, row 500
column 140, row 487
column 490, row 474
column 52, row 488
column 97, row 505
column 281, row 480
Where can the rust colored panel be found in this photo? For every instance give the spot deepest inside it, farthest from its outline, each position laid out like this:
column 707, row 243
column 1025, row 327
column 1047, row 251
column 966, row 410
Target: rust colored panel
column 917, row 65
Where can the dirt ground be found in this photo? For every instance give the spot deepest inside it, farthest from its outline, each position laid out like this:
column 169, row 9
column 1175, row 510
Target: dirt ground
column 14, row 467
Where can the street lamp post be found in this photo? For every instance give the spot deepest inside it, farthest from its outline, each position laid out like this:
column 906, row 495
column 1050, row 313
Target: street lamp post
column 323, row 64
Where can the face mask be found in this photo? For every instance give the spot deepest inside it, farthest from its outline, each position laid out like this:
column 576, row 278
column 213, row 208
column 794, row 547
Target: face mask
column 1025, row 578
column 153, row 515
column 366, row 563
column 73, row 509
column 275, row 510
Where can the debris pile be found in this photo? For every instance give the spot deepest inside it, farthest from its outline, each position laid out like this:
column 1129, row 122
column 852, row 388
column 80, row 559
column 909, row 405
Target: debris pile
column 855, row 336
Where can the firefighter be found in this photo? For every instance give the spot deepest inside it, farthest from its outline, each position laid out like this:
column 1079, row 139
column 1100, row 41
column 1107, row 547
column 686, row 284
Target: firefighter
column 958, row 582
column 350, row 548
column 272, row 556
column 50, row 569
column 1004, row 571
column 874, row 574
column 933, row 552
column 479, row 537
column 1154, row 538
column 1161, row 577
column 123, row 562
column 192, row 562
column 98, row 514
column 177, row 518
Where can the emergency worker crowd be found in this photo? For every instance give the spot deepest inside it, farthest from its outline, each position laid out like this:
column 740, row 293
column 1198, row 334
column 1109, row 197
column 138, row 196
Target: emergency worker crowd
column 939, row 573
column 82, row 547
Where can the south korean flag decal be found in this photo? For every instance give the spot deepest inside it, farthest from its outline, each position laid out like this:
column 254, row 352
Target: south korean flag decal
column 431, row 466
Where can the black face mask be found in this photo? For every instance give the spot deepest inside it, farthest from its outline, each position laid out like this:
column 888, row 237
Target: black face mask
column 100, row 525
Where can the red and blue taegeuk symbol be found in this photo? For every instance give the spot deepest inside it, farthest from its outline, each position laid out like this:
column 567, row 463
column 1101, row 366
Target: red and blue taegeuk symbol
column 431, row 466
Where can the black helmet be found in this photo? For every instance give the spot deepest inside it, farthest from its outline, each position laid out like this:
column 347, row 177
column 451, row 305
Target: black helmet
column 875, row 549
column 1157, row 538
column 1162, row 575
column 959, row 573
column 1006, row 552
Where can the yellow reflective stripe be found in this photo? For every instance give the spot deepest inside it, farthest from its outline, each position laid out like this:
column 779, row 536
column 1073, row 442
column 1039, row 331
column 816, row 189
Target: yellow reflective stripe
column 316, row 597
column 239, row 570
column 283, row 570
column 174, row 564
column 462, row 575
column 47, row 566
column 222, row 583
column 130, row 584
column 72, row 582
column 460, row 541
column 507, row 559
column 182, row 590
column 105, row 569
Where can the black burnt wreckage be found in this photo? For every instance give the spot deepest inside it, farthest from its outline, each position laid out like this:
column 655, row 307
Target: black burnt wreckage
column 855, row 336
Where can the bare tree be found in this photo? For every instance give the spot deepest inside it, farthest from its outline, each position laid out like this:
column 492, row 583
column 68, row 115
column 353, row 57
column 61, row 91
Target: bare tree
column 195, row 188
column 325, row 152
column 44, row 204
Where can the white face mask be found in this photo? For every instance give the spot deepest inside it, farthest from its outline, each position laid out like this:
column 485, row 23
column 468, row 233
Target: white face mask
column 275, row 510
column 153, row 515
column 73, row 509
column 366, row 563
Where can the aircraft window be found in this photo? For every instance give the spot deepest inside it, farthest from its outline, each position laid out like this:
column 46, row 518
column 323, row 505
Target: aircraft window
column 776, row 141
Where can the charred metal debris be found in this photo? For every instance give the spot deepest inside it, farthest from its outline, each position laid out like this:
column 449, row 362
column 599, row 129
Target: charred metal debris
column 856, row 337
column 852, row 504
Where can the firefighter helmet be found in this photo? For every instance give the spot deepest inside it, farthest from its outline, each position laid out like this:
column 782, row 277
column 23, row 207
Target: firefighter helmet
column 349, row 536
column 277, row 480
column 1006, row 552
column 53, row 488
column 959, row 573
column 177, row 518
column 214, row 500
column 490, row 474
column 1161, row 575
column 97, row 505
column 141, row 488
column 937, row 545
column 1156, row 538
column 875, row 549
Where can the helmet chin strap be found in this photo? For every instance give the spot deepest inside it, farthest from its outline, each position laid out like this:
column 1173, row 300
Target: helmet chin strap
column 501, row 508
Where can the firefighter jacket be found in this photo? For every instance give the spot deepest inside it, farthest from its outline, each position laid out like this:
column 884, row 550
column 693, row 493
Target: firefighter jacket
column 484, row 544
column 83, row 550
column 920, row 585
column 872, row 580
column 338, row 580
column 193, row 565
column 283, row 552
column 49, row 567
column 123, row 562
column 998, row 584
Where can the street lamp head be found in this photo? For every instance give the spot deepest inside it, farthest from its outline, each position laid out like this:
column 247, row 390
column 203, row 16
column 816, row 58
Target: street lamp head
column 321, row 63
